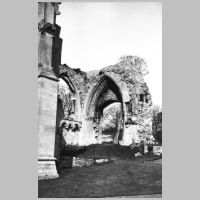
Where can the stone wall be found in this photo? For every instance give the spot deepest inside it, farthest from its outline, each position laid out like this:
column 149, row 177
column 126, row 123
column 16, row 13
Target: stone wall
column 135, row 91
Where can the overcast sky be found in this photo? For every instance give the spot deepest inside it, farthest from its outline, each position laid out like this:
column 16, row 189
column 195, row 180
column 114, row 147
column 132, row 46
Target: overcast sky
column 96, row 34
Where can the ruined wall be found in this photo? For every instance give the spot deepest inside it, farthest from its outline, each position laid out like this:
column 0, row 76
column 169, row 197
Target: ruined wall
column 128, row 73
column 131, row 70
column 82, row 81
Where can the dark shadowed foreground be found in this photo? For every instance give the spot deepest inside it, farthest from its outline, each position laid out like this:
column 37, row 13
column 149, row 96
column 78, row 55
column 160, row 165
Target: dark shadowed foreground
column 117, row 178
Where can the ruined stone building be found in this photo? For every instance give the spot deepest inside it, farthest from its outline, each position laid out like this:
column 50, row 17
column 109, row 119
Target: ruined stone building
column 71, row 102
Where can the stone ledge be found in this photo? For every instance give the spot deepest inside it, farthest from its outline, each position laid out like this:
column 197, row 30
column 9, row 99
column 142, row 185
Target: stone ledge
column 47, row 169
column 47, row 74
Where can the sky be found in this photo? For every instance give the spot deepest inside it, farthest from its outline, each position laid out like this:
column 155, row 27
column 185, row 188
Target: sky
column 97, row 34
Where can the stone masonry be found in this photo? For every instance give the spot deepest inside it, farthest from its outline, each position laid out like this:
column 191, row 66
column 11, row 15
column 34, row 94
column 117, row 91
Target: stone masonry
column 71, row 102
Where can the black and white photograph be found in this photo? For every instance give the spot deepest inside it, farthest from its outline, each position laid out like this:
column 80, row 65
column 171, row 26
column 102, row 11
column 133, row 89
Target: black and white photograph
column 99, row 99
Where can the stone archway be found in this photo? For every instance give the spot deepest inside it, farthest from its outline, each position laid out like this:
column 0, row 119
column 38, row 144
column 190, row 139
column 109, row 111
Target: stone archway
column 105, row 92
column 72, row 95
column 68, row 110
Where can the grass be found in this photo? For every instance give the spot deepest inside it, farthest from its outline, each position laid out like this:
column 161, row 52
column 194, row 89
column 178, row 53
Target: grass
column 117, row 178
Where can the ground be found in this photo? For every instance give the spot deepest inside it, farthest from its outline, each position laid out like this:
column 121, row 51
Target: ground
column 125, row 177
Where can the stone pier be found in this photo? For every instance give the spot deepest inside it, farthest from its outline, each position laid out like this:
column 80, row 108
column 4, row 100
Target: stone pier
column 49, row 57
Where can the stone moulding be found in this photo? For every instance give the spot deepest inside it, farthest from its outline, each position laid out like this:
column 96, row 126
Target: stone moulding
column 121, row 85
column 47, row 74
column 46, row 159
column 66, row 78
column 73, row 88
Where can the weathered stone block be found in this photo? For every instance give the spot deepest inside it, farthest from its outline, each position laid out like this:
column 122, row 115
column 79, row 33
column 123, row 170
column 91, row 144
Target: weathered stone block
column 81, row 162
column 47, row 116
column 46, row 12
column 49, row 52
column 47, row 169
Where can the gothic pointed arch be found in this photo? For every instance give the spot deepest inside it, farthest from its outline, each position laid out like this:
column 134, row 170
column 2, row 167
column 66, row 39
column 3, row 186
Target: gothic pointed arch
column 106, row 91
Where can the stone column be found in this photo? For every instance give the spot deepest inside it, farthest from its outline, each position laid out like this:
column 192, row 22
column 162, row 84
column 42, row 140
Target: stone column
column 126, row 116
column 99, row 126
column 116, row 137
column 49, row 57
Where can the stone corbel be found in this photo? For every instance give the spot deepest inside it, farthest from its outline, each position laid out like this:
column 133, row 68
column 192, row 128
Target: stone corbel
column 71, row 125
